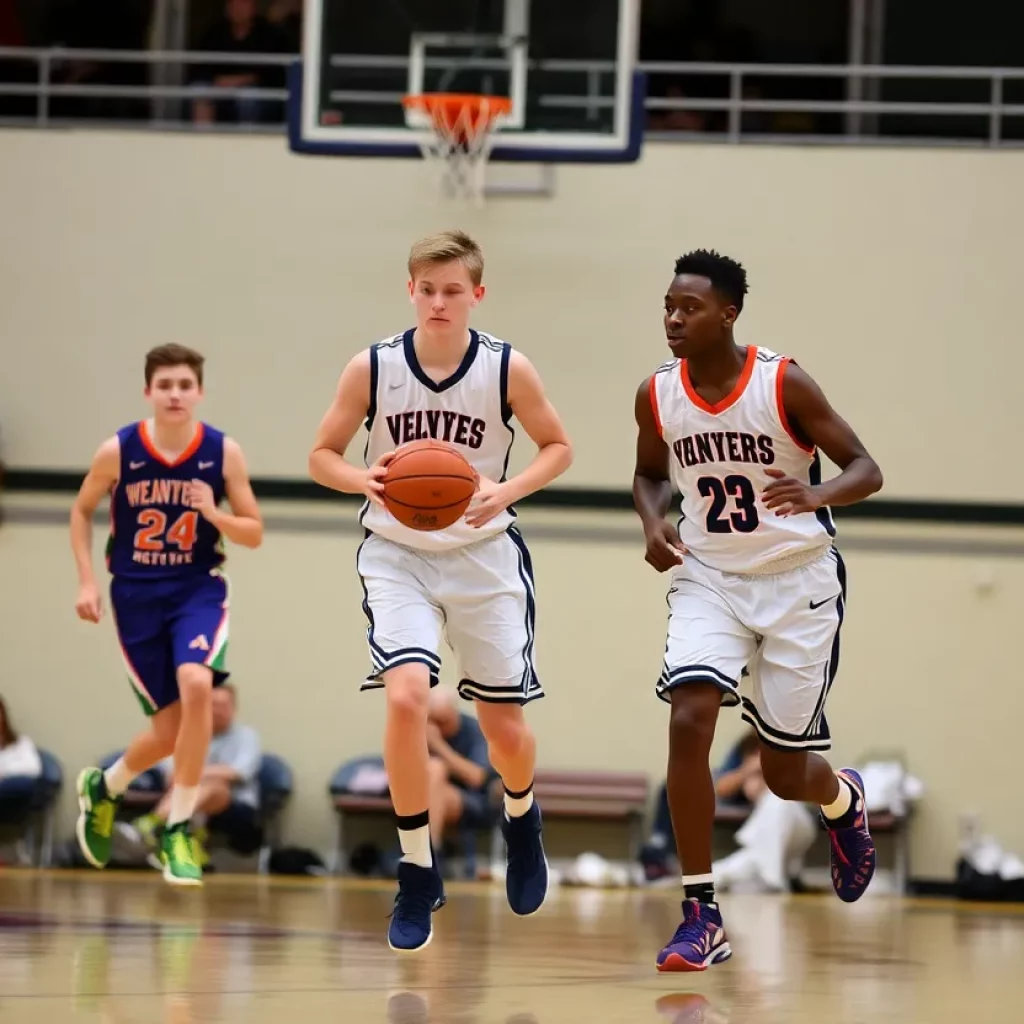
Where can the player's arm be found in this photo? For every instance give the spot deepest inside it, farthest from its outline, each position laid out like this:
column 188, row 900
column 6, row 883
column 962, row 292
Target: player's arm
column 652, row 489
column 531, row 406
column 327, row 463
column 244, row 767
column 813, row 420
column 243, row 524
column 103, row 473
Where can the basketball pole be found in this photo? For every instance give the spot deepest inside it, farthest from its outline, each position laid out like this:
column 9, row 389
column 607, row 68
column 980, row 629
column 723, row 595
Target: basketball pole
column 517, row 19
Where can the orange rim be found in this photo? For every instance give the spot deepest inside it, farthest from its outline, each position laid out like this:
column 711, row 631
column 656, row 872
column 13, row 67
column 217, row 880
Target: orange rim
column 446, row 109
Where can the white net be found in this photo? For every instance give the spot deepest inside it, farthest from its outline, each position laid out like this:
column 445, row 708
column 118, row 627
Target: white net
column 456, row 135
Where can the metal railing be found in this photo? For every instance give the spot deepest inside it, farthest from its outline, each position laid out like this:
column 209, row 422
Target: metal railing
column 860, row 112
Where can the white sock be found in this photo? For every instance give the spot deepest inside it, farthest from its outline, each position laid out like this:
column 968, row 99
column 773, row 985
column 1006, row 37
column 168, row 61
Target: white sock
column 517, row 806
column 183, row 803
column 842, row 802
column 416, row 846
column 708, row 879
column 118, row 777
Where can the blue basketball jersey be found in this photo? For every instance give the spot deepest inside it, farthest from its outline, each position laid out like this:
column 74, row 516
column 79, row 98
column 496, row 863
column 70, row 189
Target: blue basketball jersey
column 154, row 533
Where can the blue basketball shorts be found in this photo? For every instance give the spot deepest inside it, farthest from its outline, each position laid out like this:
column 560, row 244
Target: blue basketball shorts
column 164, row 624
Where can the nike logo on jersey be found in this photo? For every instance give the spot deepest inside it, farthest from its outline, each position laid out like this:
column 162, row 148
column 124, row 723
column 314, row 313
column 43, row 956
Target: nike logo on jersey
column 437, row 424
column 395, row 387
column 136, row 465
column 205, row 465
column 818, row 604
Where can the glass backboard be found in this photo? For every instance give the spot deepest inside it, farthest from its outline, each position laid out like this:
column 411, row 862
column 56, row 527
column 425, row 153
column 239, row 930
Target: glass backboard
column 567, row 65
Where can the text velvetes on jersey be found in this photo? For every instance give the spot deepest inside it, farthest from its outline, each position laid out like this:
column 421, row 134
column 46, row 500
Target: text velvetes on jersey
column 438, row 425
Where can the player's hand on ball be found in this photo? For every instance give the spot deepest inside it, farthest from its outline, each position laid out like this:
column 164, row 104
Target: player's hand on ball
column 89, row 605
column 787, row 496
column 664, row 548
column 373, row 486
column 490, row 500
column 201, row 498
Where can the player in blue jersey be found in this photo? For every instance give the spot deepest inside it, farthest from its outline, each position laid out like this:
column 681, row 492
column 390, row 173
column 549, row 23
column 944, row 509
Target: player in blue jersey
column 166, row 478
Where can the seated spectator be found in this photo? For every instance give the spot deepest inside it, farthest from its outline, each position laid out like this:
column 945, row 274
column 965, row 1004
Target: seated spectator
column 242, row 30
column 739, row 780
column 286, row 17
column 229, row 795
column 773, row 840
column 460, row 771
column 20, row 767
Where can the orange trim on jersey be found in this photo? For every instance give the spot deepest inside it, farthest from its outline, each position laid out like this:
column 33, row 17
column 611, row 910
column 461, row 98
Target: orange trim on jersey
column 654, row 405
column 730, row 399
column 781, row 406
column 193, row 445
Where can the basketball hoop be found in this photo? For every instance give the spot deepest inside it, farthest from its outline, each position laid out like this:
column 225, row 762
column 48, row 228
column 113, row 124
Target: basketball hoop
column 456, row 136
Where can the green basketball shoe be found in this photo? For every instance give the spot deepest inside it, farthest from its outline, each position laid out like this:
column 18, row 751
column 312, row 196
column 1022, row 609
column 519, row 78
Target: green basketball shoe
column 95, row 825
column 179, row 857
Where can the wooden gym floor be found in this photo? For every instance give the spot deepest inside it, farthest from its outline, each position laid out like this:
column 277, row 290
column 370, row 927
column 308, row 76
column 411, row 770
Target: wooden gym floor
column 127, row 949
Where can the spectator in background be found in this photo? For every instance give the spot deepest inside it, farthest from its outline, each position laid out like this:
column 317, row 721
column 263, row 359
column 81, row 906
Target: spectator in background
column 242, row 30
column 738, row 781
column 286, row 17
column 772, row 841
column 678, row 120
column 460, row 771
column 88, row 25
column 20, row 767
column 229, row 789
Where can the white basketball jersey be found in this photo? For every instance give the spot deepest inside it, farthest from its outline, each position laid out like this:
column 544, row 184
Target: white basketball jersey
column 718, row 455
column 469, row 410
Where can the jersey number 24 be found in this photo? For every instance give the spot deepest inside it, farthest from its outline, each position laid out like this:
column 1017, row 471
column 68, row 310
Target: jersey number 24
column 153, row 532
column 738, row 488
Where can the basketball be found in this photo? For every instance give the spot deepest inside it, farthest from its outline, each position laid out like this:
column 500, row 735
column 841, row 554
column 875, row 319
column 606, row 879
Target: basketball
column 428, row 485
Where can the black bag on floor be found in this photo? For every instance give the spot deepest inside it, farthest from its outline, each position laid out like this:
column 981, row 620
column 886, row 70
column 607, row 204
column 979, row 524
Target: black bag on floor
column 293, row 860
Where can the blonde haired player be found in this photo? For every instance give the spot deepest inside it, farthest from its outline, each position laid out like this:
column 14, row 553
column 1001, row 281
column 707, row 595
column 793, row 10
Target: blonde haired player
column 473, row 580
column 755, row 577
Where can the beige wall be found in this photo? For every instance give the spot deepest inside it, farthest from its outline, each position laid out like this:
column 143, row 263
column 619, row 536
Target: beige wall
column 926, row 659
column 888, row 273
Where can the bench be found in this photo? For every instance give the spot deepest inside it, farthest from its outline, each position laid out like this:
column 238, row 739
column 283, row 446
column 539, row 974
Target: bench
column 591, row 796
column 882, row 823
column 579, row 795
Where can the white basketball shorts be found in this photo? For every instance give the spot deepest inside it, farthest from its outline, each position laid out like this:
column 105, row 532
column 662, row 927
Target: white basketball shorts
column 783, row 628
column 480, row 596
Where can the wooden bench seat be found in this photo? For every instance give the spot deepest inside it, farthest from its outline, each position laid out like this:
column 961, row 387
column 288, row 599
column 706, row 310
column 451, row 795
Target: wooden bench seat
column 562, row 795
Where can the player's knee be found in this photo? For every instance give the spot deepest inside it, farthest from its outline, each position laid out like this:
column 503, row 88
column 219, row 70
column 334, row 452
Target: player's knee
column 505, row 729
column 785, row 773
column 693, row 718
column 407, row 689
column 195, row 684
